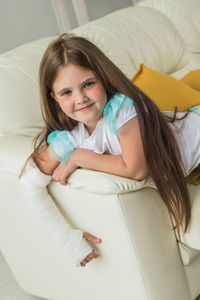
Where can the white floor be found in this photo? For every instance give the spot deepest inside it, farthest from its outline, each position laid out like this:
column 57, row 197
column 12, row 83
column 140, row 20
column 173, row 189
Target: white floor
column 9, row 289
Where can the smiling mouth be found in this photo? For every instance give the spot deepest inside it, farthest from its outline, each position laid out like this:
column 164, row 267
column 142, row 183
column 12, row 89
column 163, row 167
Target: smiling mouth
column 85, row 108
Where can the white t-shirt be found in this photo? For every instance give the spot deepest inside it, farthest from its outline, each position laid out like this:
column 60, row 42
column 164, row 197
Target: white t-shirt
column 187, row 134
column 104, row 139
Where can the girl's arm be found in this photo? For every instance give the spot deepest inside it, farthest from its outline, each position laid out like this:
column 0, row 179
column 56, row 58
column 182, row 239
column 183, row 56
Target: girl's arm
column 45, row 163
column 131, row 163
column 32, row 188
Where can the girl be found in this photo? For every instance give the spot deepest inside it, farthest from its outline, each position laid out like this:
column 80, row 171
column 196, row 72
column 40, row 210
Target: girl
column 98, row 119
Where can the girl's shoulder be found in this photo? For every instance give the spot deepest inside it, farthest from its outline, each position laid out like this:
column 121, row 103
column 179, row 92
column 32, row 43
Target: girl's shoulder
column 64, row 135
column 119, row 110
column 57, row 135
column 118, row 101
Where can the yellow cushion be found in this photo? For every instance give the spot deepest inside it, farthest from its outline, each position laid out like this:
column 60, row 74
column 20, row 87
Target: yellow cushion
column 192, row 79
column 166, row 91
column 194, row 176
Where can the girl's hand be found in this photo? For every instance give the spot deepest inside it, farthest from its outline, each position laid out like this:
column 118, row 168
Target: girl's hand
column 91, row 238
column 61, row 172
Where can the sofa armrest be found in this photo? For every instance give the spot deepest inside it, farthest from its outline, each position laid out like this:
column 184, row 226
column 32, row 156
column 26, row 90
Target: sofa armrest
column 103, row 183
column 93, row 182
column 131, row 219
column 12, row 160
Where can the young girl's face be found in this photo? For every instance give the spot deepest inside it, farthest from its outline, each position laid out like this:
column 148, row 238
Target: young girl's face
column 80, row 95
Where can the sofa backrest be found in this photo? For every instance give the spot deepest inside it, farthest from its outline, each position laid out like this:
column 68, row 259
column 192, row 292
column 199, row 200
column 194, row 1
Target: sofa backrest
column 164, row 35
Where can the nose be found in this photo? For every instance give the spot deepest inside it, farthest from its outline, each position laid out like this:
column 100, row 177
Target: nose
column 81, row 97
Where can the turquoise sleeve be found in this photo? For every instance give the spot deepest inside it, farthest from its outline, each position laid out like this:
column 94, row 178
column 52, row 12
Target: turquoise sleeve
column 119, row 107
column 195, row 109
column 61, row 146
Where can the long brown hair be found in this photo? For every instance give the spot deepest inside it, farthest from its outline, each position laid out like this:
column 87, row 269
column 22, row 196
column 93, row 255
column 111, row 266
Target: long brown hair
column 161, row 150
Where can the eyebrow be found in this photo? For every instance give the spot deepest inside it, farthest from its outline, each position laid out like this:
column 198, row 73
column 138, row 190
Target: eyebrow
column 68, row 88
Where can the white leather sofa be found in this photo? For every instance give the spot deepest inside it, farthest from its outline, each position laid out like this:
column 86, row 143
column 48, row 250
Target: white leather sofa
column 140, row 257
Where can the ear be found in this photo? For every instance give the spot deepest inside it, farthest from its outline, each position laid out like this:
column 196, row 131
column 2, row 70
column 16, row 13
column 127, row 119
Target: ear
column 53, row 95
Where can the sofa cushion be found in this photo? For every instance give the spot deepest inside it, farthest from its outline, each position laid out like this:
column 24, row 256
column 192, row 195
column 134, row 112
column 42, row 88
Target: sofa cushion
column 19, row 93
column 132, row 41
column 192, row 79
column 184, row 17
column 166, row 91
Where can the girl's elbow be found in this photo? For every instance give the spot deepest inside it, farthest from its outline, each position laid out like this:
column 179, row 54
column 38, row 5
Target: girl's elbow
column 140, row 175
column 140, row 178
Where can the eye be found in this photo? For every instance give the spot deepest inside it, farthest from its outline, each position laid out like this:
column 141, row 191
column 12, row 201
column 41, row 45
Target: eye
column 88, row 84
column 67, row 92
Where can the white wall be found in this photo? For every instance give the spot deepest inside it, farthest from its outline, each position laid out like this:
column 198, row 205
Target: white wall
column 99, row 8
column 22, row 21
